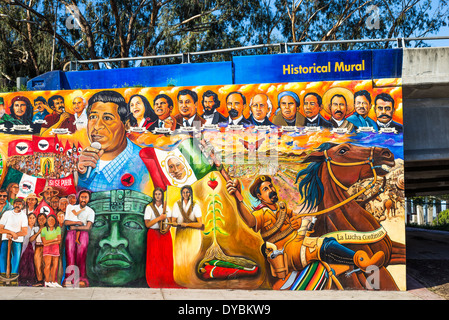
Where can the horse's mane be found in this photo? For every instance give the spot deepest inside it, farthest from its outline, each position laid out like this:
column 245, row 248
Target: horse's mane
column 311, row 188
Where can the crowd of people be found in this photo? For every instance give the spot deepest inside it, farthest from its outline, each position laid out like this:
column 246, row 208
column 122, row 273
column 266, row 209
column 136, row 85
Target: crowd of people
column 61, row 166
column 37, row 229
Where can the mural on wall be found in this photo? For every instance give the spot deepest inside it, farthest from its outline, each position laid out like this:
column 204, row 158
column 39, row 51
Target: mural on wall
column 284, row 186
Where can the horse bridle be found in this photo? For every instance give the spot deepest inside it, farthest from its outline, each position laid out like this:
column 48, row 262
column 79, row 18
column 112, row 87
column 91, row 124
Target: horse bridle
column 329, row 161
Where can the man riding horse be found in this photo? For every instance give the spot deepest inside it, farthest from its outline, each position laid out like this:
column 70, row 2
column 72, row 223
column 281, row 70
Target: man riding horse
column 288, row 245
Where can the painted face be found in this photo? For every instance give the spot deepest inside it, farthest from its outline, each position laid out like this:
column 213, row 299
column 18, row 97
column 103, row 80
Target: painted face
column 259, row 107
column 18, row 206
column 235, row 106
column 104, row 126
column 51, row 221
column 83, row 199
column 267, row 193
column 41, row 220
column 31, row 220
column 20, row 108
column 209, row 104
column 59, row 106
column 117, row 249
column 185, row 194
column 60, row 218
column 311, row 106
column 338, row 108
column 72, row 200
column 288, row 107
column 384, row 111
column 55, row 203
column 40, row 106
column 158, row 195
column 176, row 168
column 362, row 105
column 162, row 109
column 63, row 204
column 3, row 197
column 187, row 107
column 78, row 105
column 31, row 202
column 137, row 107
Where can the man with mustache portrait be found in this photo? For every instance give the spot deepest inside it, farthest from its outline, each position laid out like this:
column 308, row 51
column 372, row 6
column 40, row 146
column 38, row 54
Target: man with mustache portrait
column 210, row 104
column 59, row 119
column 236, row 103
column 384, row 107
column 117, row 165
column 339, row 106
column 362, row 105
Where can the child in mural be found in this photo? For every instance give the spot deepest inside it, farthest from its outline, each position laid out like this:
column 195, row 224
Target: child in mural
column 51, row 238
column 159, row 268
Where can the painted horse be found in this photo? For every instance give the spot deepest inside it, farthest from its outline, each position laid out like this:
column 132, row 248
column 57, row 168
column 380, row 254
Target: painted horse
column 332, row 169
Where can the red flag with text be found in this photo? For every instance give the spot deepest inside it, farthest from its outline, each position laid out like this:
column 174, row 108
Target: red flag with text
column 65, row 186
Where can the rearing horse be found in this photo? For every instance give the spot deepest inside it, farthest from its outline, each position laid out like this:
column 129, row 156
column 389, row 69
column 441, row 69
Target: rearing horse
column 332, row 170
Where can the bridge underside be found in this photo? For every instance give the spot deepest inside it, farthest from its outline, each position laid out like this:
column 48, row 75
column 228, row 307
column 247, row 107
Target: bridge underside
column 426, row 139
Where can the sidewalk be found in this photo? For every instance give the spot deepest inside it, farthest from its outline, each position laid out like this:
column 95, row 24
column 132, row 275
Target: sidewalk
column 415, row 292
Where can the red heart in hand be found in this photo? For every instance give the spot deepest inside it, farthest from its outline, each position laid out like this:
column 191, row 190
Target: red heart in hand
column 213, row 184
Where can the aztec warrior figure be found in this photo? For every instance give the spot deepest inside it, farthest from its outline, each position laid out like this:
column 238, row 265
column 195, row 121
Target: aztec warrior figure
column 269, row 186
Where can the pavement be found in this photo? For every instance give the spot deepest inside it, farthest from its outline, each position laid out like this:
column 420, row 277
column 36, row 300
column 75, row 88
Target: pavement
column 27, row 293
column 416, row 290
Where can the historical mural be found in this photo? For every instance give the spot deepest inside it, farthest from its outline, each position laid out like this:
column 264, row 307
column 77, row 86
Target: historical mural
column 283, row 186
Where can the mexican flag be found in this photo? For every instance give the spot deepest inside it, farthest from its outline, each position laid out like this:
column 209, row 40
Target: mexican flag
column 181, row 166
column 27, row 183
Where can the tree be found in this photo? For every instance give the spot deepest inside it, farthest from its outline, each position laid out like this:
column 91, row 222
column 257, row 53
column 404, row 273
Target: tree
column 43, row 35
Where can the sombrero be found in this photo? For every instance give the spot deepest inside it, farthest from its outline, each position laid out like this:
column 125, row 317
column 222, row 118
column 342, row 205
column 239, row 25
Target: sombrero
column 32, row 195
column 349, row 96
column 53, row 191
column 400, row 182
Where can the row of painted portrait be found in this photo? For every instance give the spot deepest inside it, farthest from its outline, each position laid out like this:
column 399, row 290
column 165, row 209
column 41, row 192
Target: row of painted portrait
column 338, row 108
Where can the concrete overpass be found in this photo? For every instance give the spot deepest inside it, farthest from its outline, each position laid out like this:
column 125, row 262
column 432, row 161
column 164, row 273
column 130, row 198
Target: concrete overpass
column 425, row 78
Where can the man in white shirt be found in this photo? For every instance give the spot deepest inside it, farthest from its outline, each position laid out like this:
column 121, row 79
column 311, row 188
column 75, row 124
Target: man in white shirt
column 79, row 105
column 13, row 226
